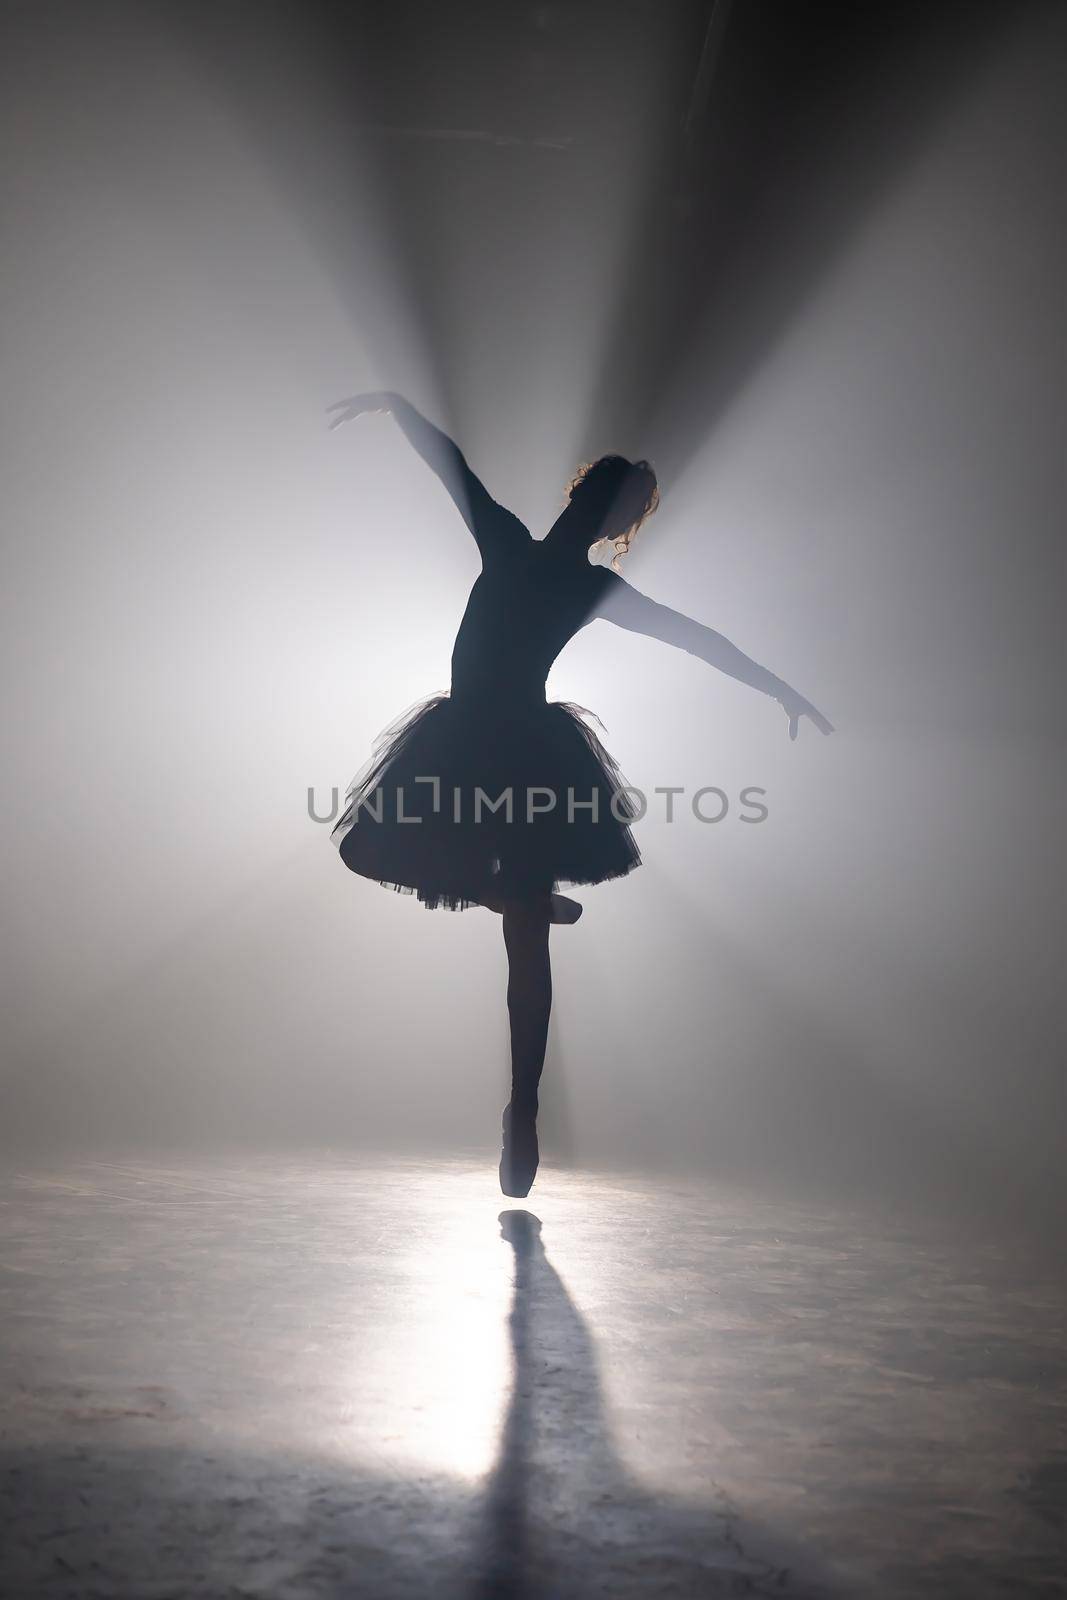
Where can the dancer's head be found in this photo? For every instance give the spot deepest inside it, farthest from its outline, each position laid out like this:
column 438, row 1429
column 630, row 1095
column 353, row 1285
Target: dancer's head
column 615, row 497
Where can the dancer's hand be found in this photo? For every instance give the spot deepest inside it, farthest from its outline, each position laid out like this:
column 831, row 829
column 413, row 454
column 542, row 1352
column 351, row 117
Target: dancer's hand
column 378, row 401
column 795, row 706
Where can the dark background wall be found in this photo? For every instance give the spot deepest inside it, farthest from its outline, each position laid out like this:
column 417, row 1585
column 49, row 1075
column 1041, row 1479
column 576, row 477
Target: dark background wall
column 809, row 259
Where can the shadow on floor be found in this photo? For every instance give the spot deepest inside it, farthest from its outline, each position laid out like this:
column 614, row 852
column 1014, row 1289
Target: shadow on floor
column 563, row 1515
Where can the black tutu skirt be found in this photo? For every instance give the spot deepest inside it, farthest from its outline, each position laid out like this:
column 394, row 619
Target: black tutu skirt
column 462, row 802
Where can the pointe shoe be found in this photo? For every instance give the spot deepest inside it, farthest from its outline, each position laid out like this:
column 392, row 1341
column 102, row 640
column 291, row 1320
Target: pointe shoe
column 519, row 1154
column 564, row 909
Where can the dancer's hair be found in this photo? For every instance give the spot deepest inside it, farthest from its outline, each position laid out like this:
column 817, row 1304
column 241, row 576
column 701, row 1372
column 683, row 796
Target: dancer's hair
column 633, row 492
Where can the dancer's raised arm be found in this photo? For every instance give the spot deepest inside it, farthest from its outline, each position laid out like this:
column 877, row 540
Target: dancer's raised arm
column 491, row 524
column 626, row 606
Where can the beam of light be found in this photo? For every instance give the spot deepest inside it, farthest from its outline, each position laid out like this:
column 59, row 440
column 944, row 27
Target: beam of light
column 731, row 267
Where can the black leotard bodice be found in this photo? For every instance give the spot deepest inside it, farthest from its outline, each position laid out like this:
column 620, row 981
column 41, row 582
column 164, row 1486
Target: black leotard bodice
column 531, row 597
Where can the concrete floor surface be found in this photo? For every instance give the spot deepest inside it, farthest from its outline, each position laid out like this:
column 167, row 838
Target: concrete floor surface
column 301, row 1380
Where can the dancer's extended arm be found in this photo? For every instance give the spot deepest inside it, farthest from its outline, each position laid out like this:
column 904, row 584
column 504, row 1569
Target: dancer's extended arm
column 488, row 521
column 629, row 608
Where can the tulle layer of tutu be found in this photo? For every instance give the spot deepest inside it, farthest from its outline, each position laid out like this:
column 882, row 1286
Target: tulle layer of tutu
column 462, row 802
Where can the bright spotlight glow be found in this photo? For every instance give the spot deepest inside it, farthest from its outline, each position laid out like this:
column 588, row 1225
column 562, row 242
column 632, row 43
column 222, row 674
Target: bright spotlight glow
column 443, row 1371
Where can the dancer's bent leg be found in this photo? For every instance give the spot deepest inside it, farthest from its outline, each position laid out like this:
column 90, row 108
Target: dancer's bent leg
column 562, row 909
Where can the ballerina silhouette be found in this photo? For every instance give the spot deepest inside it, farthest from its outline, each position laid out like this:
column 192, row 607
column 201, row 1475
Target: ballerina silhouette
column 492, row 796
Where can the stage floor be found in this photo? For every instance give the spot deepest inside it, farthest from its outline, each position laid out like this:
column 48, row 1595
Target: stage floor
column 339, row 1377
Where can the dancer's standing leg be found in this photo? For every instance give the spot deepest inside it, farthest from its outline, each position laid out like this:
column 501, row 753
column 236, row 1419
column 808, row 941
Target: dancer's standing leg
column 526, row 927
